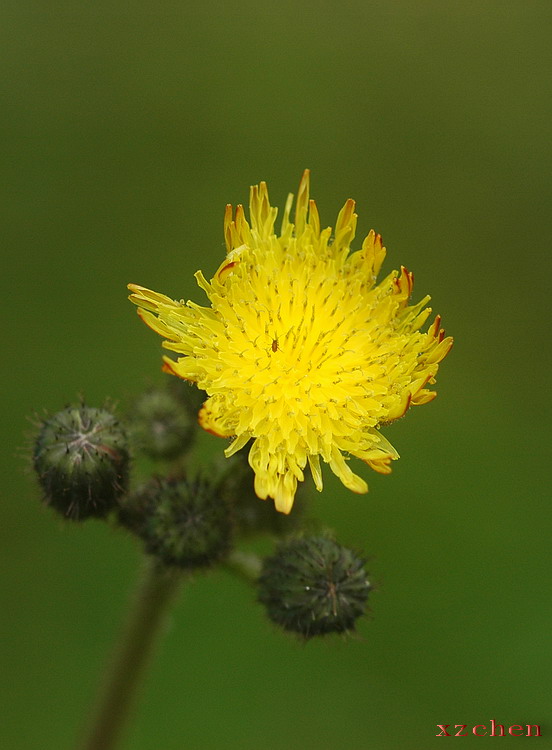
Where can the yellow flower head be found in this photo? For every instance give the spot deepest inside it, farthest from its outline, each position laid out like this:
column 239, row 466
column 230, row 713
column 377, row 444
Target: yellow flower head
column 300, row 351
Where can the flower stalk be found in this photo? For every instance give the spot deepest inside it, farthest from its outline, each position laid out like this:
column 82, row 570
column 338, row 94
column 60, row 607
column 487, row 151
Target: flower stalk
column 245, row 565
column 156, row 590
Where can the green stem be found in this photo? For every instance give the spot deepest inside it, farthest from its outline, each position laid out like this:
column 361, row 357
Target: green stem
column 245, row 564
column 156, row 589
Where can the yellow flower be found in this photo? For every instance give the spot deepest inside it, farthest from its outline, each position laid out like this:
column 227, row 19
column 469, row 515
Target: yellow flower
column 300, row 351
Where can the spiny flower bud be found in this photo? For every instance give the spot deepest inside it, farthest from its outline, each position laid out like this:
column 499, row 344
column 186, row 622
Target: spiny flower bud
column 250, row 515
column 313, row 586
column 188, row 395
column 160, row 426
column 81, row 459
column 183, row 522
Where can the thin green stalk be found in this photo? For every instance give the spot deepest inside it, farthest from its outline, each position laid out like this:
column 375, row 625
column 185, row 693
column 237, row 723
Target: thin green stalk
column 156, row 589
column 246, row 565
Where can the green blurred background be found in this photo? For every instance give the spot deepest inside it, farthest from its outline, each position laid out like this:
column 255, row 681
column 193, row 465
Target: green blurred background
column 126, row 128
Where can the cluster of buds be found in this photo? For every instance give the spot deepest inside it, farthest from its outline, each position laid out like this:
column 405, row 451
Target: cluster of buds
column 191, row 519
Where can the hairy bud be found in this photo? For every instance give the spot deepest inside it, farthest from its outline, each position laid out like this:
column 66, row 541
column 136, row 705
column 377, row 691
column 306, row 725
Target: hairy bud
column 251, row 515
column 187, row 394
column 160, row 426
column 182, row 522
column 313, row 586
column 81, row 459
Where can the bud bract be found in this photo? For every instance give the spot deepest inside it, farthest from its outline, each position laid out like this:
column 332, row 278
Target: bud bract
column 81, row 460
column 313, row 586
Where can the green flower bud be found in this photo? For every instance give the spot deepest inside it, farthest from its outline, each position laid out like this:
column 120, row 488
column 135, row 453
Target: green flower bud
column 188, row 394
column 183, row 522
column 160, row 426
column 251, row 515
column 313, row 586
column 81, row 459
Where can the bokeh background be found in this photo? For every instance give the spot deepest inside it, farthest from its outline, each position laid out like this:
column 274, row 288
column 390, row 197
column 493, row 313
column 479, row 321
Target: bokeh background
column 126, row 128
